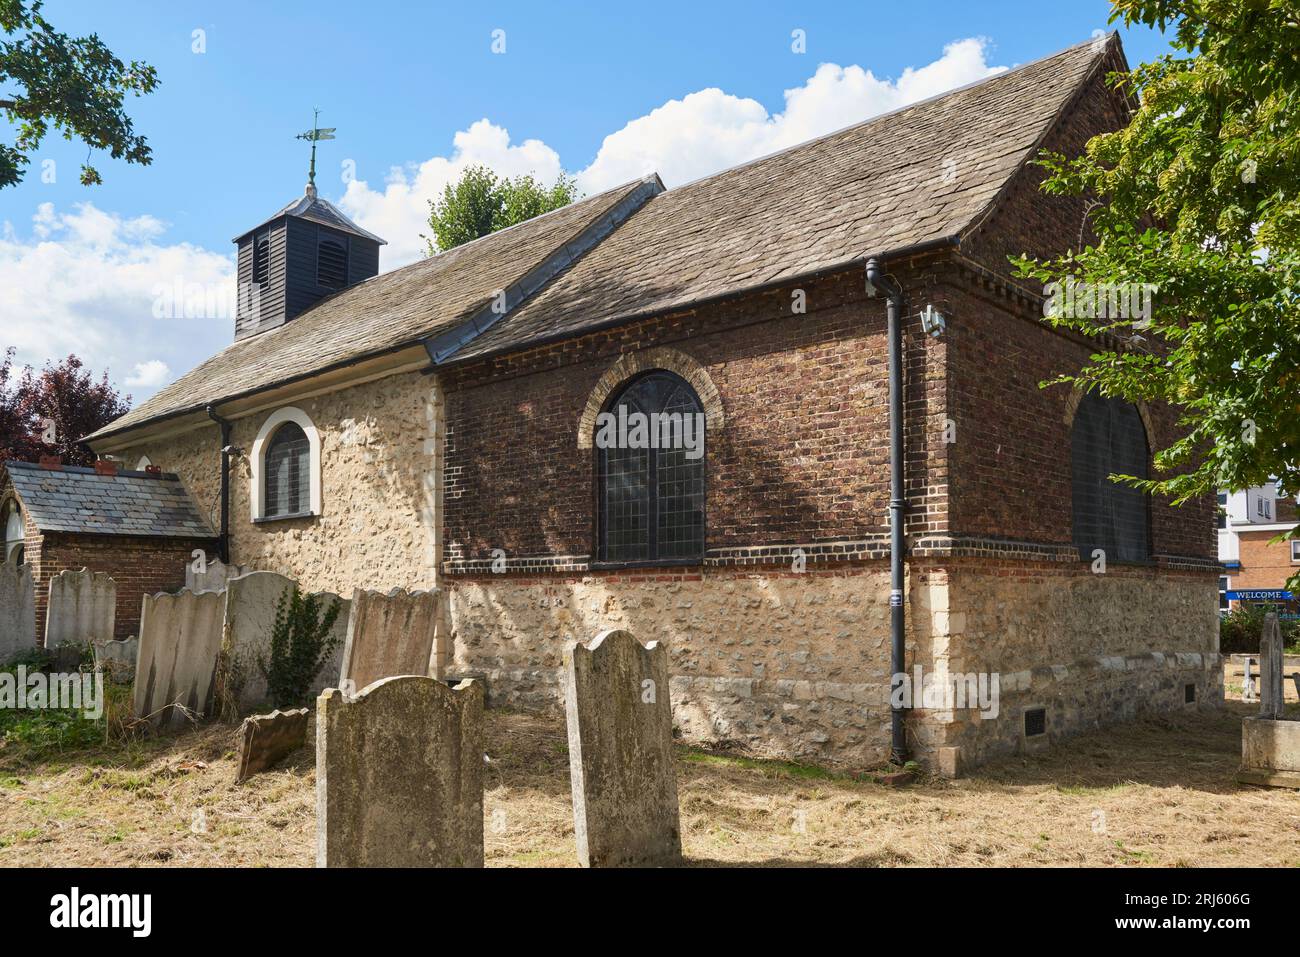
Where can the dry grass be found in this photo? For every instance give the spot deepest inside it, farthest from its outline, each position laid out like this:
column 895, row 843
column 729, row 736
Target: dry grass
column 1157, row 793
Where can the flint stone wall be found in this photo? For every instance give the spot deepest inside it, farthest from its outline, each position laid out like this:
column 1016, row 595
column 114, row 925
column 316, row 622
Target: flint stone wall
column 399, row 775
column 82, row 608
column 17, row 609
column 180, row 637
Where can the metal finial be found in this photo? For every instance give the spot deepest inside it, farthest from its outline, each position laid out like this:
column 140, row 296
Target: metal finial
column 314, row 136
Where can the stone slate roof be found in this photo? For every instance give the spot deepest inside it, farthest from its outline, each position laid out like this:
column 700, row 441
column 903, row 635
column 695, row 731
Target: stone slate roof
column 925, row 173
column 75, row 499
column 388, row 312
column 318, row 210
column 921, row 174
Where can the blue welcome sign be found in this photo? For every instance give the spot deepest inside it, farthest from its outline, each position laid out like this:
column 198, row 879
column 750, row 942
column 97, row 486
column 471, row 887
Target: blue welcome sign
column 1260, row 594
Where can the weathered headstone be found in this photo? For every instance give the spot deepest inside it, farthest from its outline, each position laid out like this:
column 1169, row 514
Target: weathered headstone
column 1248, row 680
column 399, row 775
column 1272, row 702
column 266, row 739
column 251, row 601
column 394, row 634
column 621, row 763
column 214, row 576
column 116, row 659
column 82, row 608
column 17, row 610
column 180, row 636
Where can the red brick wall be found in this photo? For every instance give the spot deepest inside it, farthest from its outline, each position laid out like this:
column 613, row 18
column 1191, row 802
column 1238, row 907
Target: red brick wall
column 803, row 455
column 1263, row 563
column 139, row 566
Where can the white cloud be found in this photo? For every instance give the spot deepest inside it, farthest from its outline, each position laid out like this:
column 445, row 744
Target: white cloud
column 150, row 375
column 87, row 281
column 701, row 133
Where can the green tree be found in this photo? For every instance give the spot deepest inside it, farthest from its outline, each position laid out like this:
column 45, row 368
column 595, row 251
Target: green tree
column 75, row 85
column 480, row 202
column 1197, row 197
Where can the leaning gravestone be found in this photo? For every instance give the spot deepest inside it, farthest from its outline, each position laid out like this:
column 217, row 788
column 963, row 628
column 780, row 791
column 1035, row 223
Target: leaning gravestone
column 393, row 634
column 82, row 608
column 399, row 775
column 180, row 637
column 213, row 577
column 621, row 763
column 266, row 739
column 17, row 610
column 116, row 659
column 1271, row 700
column 251, row 600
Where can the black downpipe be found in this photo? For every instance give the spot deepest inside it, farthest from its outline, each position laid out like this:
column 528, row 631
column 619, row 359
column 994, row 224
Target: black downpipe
column 223, row 543
column 897, row 503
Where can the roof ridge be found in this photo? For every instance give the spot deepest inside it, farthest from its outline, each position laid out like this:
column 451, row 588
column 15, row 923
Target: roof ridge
column 891, row 113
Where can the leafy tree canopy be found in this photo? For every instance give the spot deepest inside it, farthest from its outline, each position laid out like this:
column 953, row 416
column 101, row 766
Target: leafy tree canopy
column 73, row 84
column 63, row 403
column 1198, row 197
column 480, row 202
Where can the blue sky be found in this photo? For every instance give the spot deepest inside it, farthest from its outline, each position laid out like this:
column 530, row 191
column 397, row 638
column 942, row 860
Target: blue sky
column 416, row 91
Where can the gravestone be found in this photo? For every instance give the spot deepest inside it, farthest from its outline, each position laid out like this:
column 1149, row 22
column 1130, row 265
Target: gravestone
column 1248, row 680
column 399, row 775
column 1271, row 699
column 621, row 763
column 116, row 659
column 266, row 739
column 82, row 608
column 17, row 610
column 213, row 577
column 251, row 601
column 180, row 637
column 395, row 634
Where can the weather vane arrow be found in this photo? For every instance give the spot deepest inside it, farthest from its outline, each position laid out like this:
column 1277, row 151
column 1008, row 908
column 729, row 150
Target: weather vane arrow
column 314, row 136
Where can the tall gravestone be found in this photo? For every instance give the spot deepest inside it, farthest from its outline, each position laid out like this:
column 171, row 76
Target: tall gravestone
column 180, row 637
column 82, row 608
column 1271, row 699
column 399, row 775
column 251, row 601
column 394, row 634
column 621, row 763
column 17, row 610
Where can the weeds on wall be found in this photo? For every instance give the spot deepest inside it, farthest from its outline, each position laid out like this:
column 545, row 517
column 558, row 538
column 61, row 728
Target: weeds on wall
column 302, row 640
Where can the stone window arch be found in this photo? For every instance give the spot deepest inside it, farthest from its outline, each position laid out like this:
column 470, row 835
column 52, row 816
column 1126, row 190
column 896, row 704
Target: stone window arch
column 645, row 360
column 286, row 467
column 13, row 532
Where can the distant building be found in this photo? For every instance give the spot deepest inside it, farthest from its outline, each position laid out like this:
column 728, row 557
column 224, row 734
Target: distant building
column 1255, row 567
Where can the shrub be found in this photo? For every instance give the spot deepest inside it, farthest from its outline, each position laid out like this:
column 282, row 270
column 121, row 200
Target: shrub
column 301, row 642
column 1239, row 630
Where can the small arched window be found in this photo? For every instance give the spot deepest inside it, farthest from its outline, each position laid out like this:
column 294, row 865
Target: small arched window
column 1108, row 438
column 11, row 528
column 331, row 263
column 288, row 472
column 650, row 472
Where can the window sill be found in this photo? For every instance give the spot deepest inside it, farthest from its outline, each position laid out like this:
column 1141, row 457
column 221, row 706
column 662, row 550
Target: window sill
column 697, row 562
column 283, row 518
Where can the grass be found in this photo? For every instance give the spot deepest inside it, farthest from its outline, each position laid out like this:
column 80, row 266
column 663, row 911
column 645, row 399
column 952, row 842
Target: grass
column 1156, row 793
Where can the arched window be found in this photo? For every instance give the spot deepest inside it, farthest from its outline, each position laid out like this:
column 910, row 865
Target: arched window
column 288, row 470
column 11, row 528
column 286, row 466
column 1108, row 438
column 262, row 260
column 650, row 471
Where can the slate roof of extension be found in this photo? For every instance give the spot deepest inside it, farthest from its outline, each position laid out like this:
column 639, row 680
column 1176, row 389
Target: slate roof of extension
column 74, row 499
column 927, row 172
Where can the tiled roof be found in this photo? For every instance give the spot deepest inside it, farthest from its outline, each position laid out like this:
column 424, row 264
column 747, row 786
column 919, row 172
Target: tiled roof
column 921, row 174
column 318, row 210
column 381, row 314
column 74, row 499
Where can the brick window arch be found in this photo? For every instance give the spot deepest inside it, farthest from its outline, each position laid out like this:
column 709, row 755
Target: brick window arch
column 1108, row 438
column 650, row 471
